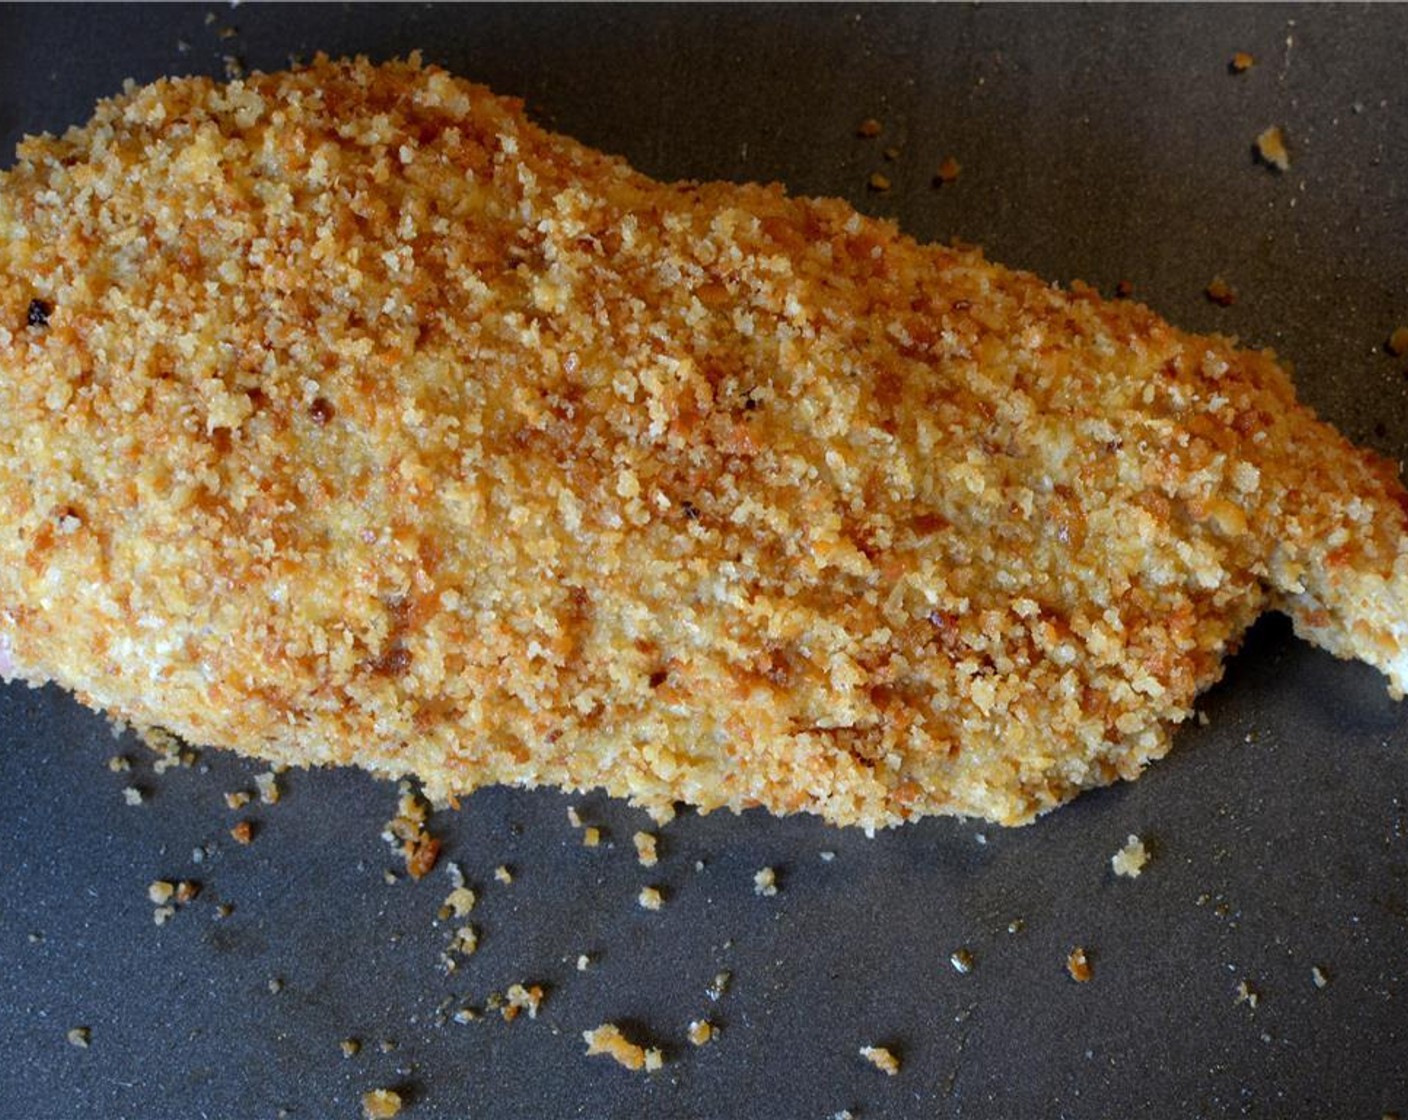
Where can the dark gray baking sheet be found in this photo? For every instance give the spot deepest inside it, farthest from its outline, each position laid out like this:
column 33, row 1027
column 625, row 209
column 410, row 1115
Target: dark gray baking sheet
column 1100, row 143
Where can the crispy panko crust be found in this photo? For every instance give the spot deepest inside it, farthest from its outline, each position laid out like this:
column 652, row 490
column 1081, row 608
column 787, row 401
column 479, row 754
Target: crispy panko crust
column 346, row 416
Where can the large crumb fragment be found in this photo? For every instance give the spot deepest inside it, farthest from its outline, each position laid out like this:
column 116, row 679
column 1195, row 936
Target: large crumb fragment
column 381, row 1104
column 503, row 874
column 80, row 1037
column 701, row 1031
column 1271, row 147
column 765, row 882
column 457, row 904
column 1078, row 965
column 1241, row 62
column 881, row 1058
column 645, row 843
column 607, row 1039
column 160, row 892
column 1129, row 861
column 650, row 898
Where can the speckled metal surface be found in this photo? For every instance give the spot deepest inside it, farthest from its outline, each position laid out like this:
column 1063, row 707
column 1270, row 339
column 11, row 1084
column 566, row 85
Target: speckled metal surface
column 1101, row 143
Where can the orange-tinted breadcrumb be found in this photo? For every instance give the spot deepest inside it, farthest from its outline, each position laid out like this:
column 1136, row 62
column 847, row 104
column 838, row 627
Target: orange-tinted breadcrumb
column 363, row 421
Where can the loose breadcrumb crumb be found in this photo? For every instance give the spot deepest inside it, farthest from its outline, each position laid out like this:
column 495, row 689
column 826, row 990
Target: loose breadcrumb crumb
column 1318, row 976
column 407, row 828
column 718, row 986
column 381, row 1104
column 243, row 832
column 1246, row 994
column 572, row 817
column 650, row 898
column 1124, row 289
column 584, row 962
column 503, row 875
column 646, row 852
column 1078, row 965
column 1398, row 342
column 1220, row 292
column 878, row 182
column 765, row 882
column 881, row 1058
column 962, row 961
column 132, row 795
column 465, row 941
column 1271, row 147
column 350, row 1047
column 186, row 891
column 119, row 763
column 458, row 903
column 591, row 837
column 160, row 892
column 238, row 799
column 948, row 172
column 607, row 1039
column 869, row 128
column 275, row 985
column 268, row 786
column 80, row 1037
column 1129, row 861
column 1241, row 62
column 701, row 1031
column 163, row 914
column 521, row 998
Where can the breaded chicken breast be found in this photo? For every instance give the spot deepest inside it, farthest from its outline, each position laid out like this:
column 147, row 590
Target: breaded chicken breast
column 348, row 417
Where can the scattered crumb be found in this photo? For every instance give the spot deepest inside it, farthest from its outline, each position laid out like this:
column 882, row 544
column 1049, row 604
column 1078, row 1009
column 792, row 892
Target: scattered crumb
column 268, row 786
column 881, row 1058
column 527, row 999
column 646, row 853
column 591, row 837
column 80, row 1037
column 948, row 172
column 465, row 941
column 878, row 182
column 1271, row 147
column 1078, row 965
column 1241, row 62
column 160, row 892
column 1398, row 342
column 1129, row 861
column 225, row 909
column 186, row 891
column 238, row 799
column 891, row 154
column 718, row 986
column 1124, row 289
column 650, row 898
column 419, row 849
column 844, row 1114
column 503, row 875
column 350, row 1047
column 243, row 833
column 455, row 874
column 765, row 882
column 389, row 877
column 1318, row 976
column 276, row 985
column 163, row 914
column 466, row 1015
column 1220, row 292
column 381, row 1104
column 1016, row 925
column 387, row 1045
column 962, row 961
column 608, row 1039
column 120, row 763
column 1203, row 719
column 701, row 1031
column 584, row 962
column 869, row 128
column 1247, row 994
column 572, row 817
column 827, row 857
column 132, row 795
column 458, row 903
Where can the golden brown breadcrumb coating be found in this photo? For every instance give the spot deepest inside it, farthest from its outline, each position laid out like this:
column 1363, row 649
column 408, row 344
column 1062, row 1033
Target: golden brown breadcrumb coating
column 346, row 416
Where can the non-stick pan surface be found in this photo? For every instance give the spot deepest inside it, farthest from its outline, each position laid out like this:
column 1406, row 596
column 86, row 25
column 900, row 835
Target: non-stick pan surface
column 1095, row 143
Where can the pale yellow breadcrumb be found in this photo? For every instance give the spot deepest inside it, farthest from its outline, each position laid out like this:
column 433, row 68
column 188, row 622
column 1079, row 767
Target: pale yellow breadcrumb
column 346, row 416
column 607, row 1039
column 881, row 1058
column 1129, row 861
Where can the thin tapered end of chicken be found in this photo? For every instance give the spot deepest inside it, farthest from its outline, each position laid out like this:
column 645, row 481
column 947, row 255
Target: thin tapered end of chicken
column 348, row 417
